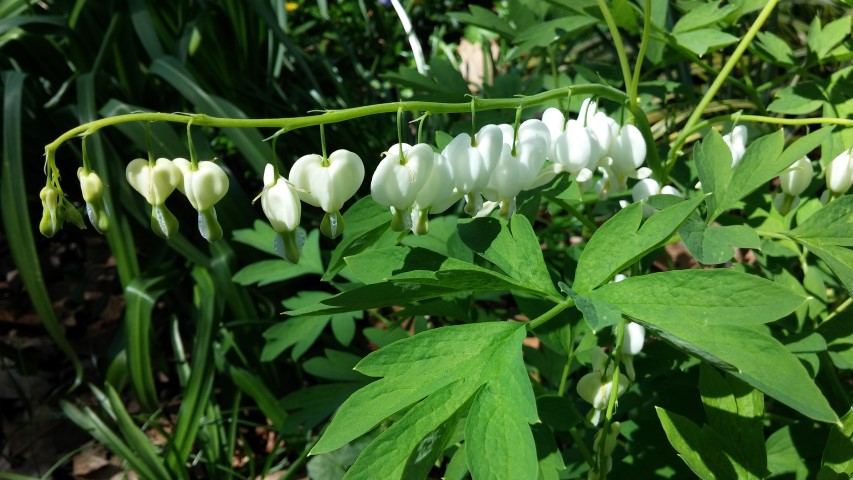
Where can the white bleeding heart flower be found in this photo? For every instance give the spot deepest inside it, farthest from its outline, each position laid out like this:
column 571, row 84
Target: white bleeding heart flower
column 796, row 179
column 736, row 140
column 472, row 162
column 793, row 182
column 517, row 170
column 155, row 183
column 628, row 151
column 555, row 121
column 573, row 151
column 328, row 184
column 204, row 186
column 399, row 177
column 93, row 193
column 632, row 344
column 602, row 129
column 436, row 196
column 282, row 207
column 596, row 389
column 839, row 173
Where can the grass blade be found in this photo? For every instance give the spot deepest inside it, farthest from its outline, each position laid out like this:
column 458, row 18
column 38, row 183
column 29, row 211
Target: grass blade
column 140, row 297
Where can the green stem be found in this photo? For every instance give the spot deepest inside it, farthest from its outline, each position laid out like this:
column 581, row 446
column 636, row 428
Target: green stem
column 617, row 43
column 193, row 157
column 325, row 161
column 336, row 116
column 592, row 227
column 587, row 455
column 611, row 404
column 732, row 117
column 718, row 82
column 86, row 166
column 644, row 43
column 840, row 309
column 541, row 319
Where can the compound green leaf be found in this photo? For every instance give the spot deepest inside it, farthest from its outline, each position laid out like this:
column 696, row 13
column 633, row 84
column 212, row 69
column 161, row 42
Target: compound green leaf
column 736, row 412
column 754, row 357
column 408, row 448
column 838, row 453
column 621, row 241
column 453, row 363
column 512, row 246
column 700, row 297
column 831, row 225
column 712, row 245
column 699, row 448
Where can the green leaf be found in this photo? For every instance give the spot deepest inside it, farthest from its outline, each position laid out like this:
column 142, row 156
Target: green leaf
column 712, row 245
column 404, row 265
column 704, row 14
column 266, row 272
column 823, row 40
column 700, row 297
column 839, row 259
column 831, row 225
column 735, row 411
column 598, row 313
column 774, row 48
column 453, row 363
column 621, row 241
column 754, row 357
column 512, row 246
column 336, row 365
column 407, row 449
column 140, row 297
column 300, row 332
column 699, row 448
column 782, row 454
column 543, row 34
column 704, row 40
column 838, row 453
column 366, row 221
column 255, row 387
column 800, row 99
column 384, row 294
column 309, row 406
column 484, row 18
column 498, row 441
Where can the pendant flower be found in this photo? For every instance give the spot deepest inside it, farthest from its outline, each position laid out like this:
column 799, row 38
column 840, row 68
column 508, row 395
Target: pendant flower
column 736, row 140
column 328, row 183
column 793, row 182
column 473, row 161
column 155, row 182
column 839, row 174
column 436, row 196
column 283, row 209
column 93, row 193
column 398, row 179
column 204, row 186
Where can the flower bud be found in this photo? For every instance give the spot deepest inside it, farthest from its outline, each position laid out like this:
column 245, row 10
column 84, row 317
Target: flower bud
column 283, row 209
column 632, row 344
column 839, row 173
column 93, row 193
column 52, row 218
column 796, row 179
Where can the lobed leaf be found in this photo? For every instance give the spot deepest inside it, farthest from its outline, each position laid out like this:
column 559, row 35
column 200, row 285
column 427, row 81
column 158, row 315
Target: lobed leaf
column 622, row 240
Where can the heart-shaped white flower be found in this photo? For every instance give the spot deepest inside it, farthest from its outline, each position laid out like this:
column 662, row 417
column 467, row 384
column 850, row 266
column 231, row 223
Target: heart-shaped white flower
column 280, row 202
column 573, row 151
column 156, row 182
column 796, row 179
column 839, row 173
column 327, row 184
column 205, row 186
column 398, row 179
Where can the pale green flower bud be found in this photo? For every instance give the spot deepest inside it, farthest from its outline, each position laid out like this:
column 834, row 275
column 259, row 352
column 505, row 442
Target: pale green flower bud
column 93, row 193
column 839, row 173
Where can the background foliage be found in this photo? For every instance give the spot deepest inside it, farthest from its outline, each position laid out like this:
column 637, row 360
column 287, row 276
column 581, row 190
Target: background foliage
column 201, row 356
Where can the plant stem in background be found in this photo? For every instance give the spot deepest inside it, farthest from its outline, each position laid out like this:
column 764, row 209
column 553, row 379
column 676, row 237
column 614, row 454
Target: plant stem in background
column 715, row 86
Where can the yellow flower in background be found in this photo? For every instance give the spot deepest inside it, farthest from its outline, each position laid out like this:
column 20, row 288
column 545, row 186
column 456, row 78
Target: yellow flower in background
column 291, row 6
